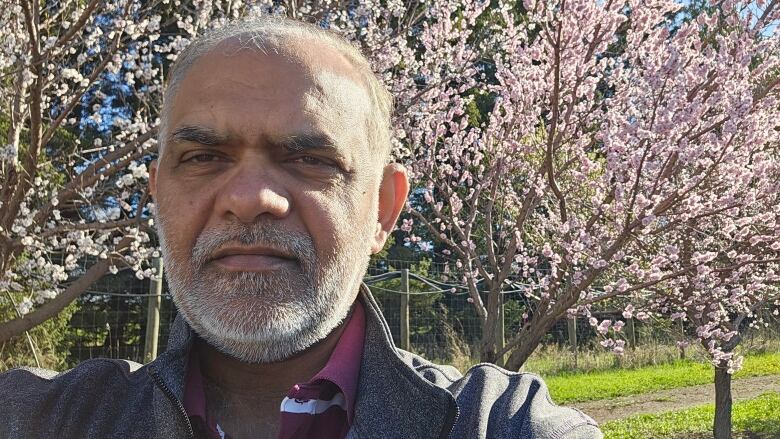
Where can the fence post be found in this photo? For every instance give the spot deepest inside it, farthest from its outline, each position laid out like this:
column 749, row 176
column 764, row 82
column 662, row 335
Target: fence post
column 153, row 312
column 572, row 327
column 404, row 342
column 631, row 331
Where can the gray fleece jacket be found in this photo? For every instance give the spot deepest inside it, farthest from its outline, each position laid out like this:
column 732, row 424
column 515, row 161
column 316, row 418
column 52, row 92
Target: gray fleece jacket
column 400, row 395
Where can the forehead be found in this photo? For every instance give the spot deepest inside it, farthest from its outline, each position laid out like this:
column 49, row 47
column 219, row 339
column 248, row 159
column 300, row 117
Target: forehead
column 304, row 86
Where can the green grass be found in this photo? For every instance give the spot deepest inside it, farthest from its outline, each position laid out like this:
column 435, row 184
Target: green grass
column 621, row 382
column 759, row 417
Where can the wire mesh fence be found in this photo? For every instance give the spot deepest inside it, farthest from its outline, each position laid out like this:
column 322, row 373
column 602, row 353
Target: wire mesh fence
column 111, row 319
column 427, row 315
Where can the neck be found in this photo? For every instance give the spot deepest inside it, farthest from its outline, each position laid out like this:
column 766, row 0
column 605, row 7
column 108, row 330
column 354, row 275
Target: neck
column 244, row 397
column 238, row 379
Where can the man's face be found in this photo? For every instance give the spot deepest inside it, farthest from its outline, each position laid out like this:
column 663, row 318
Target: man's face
column 266, row 197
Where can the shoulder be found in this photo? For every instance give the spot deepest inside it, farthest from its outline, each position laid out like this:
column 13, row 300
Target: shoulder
column 100, row 370
column 508, row 404
column 441, row 375
column 31, row 395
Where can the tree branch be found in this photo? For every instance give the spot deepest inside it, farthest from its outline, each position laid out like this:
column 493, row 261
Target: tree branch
column 78, row 25
column 51, row 308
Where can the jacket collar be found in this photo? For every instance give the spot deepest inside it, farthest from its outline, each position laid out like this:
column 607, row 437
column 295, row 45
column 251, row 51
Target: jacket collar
column 391, row 394
column 171, row 365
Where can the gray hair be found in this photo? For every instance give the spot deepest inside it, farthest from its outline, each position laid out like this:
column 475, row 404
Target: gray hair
column 271, row 32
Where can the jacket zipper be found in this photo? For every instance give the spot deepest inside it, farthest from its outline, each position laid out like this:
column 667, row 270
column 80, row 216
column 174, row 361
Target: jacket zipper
column 453, row 421
column 169, row 393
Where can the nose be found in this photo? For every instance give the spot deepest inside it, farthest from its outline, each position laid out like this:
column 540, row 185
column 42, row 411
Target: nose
column 253, row 191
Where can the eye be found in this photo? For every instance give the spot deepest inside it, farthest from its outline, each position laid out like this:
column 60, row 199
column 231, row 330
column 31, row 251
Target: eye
column 201, row 157
column 312, row 161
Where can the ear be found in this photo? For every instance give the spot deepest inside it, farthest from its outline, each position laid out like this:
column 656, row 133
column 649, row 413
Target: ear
column 392, row 197
column 153, row 179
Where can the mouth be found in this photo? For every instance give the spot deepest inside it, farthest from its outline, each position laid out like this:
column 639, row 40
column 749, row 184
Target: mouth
column 256, row 259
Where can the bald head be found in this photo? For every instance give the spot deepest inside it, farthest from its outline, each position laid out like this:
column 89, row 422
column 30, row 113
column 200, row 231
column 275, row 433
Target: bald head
column 300, row 43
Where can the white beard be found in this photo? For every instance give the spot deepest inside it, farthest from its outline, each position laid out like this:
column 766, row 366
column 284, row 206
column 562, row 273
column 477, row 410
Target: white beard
column 264, row 317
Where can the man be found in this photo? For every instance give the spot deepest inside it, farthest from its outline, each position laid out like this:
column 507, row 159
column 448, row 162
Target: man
column 273, row 187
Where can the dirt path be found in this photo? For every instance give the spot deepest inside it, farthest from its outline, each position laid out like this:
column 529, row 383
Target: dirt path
column 674, row 399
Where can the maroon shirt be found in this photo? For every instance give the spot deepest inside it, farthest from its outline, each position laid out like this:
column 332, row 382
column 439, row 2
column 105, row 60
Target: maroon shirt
column 322, row 407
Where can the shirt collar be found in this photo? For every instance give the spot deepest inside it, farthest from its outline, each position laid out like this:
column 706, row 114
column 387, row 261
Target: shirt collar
column 194, row 395
column 343, row 366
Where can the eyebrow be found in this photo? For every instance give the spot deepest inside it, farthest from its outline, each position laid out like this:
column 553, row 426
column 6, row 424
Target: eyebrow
column 298, row 142
column 306, row 141
column 197, row 134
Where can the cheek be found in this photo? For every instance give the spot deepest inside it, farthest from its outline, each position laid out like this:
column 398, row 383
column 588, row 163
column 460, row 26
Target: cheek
column 183, row 216
column 338, row 221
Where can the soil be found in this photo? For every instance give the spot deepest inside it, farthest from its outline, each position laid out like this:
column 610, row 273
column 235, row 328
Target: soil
column 604, row 410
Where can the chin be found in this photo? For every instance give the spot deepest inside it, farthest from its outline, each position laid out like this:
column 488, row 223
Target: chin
column 256, row 331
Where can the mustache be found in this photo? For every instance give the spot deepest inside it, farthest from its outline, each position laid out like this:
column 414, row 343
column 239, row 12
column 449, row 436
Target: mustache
column 298, row 244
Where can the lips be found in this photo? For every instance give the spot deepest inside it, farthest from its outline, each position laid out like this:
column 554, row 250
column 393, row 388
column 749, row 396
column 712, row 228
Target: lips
column 257, row 259
column 257, row 251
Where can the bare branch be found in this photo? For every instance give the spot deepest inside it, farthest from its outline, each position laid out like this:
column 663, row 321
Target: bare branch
column 96, row 72
column 93, row 226
column 91, row 175
column 78, row 25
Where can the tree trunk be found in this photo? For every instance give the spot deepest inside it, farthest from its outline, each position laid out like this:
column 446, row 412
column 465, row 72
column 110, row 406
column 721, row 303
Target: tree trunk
column 722, row 426
column 487, row 347
column 527, row 345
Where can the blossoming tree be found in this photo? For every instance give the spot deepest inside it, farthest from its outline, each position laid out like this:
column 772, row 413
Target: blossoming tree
column 625, row 156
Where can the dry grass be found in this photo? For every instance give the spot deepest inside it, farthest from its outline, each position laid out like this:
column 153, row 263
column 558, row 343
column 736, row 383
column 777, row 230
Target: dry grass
column 553, row 359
